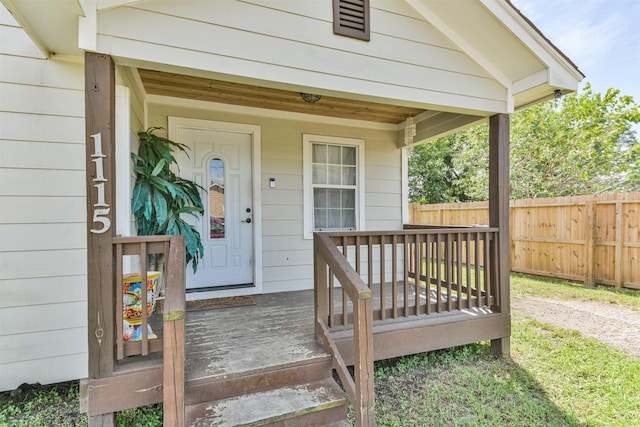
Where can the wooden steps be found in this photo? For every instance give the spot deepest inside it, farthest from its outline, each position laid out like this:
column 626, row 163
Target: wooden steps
column 303, row 393
column 260, row 366
column 317, row 403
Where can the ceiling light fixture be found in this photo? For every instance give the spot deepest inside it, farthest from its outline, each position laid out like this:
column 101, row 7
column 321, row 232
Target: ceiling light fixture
column 310, row 98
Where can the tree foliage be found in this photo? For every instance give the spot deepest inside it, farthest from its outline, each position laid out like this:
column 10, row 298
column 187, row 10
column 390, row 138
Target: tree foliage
column 583, row 143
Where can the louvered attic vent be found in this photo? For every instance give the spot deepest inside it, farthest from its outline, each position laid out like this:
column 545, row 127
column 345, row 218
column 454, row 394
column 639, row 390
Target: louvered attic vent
column 351, row 18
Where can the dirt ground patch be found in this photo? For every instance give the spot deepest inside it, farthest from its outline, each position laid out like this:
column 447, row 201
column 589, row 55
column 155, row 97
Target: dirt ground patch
column 613, row 324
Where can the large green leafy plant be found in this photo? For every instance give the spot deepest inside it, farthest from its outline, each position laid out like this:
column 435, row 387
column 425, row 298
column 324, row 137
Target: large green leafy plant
column 161, row 197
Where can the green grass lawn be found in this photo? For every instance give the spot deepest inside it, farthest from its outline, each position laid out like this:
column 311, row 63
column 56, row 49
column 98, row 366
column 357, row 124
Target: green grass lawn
column 522, row 286
column 555, row 377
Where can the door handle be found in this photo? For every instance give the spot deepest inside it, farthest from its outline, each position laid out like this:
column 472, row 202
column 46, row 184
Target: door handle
column 248, row 220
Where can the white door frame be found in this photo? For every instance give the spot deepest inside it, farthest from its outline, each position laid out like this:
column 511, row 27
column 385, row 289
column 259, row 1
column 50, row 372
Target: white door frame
column 254, row 132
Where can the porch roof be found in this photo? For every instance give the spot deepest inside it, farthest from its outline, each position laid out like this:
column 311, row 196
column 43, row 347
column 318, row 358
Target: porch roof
column 512, row 62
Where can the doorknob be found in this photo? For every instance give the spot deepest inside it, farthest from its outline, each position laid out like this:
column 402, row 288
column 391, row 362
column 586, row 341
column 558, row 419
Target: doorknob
column 248, row 220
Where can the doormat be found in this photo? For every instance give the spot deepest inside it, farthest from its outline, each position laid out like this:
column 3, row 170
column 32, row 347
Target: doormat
column 213, row 303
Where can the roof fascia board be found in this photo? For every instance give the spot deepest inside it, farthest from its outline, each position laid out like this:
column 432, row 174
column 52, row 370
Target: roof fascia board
column 459, row 41
column 20, row 19
column 533, row 80
column 530, row 36
column 112, row 4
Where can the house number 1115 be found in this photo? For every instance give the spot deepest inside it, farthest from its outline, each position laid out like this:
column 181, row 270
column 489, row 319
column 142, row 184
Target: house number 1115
column 101, row 208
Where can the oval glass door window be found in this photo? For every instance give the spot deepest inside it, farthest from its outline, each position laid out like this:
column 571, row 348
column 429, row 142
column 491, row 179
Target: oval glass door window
column 216, row 198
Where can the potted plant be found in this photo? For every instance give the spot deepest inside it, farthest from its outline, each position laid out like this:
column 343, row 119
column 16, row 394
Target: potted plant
column 161, row 197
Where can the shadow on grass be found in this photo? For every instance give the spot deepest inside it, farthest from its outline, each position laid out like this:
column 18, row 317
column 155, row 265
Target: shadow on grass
column 463, row 386
column 545, row 286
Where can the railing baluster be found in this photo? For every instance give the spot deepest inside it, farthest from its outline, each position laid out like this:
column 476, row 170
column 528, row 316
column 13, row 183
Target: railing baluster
column 418, row 280
column 448, row 265
column 428, row 267
column 119, row 315
column 394, row 276
column 495, row 277
column 438, row 271
column 469, row 265
column 407, row 260
column 144, row 328
column 487, row 269
column 383, row 288
column 459, row 269
column 345, row 305
column 331, row 300
column 477, row 275
column 358, row 254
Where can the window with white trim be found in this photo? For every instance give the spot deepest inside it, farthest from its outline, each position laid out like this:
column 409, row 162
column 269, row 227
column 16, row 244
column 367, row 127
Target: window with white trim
column 333, row 184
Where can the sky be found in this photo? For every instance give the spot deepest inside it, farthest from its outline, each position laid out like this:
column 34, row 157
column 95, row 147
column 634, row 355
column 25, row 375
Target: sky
column 602, row 37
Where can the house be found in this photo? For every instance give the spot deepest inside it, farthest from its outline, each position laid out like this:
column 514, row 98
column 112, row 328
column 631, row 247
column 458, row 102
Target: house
column 302, row 110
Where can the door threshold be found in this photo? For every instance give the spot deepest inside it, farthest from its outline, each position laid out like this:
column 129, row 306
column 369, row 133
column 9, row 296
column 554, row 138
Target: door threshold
column 219, row 288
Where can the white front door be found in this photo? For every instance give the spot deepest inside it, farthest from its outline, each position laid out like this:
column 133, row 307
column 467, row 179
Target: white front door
column 220, row 161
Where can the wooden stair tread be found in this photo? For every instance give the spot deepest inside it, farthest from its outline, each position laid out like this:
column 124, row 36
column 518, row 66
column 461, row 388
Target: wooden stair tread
column 269, row 407
column 254, row 361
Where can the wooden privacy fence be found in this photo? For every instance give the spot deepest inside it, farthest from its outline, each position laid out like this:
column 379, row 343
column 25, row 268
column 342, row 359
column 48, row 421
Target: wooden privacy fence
column 592, row 239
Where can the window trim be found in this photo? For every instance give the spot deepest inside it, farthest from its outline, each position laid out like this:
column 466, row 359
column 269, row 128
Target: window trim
column 307, row 172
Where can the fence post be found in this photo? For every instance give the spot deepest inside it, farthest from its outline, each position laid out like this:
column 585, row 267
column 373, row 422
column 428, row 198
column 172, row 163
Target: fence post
column 618, row 256
column 590, row 242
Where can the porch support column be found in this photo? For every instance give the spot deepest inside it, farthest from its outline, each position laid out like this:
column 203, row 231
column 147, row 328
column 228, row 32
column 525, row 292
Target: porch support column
column 499, row 215
column 100, row 192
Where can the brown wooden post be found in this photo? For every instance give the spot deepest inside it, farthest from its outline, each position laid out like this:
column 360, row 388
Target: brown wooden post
column 363, row 362
column 173, row 335
column 100, row 190
column 590, row 242
column 320, row 288
column 499, row 216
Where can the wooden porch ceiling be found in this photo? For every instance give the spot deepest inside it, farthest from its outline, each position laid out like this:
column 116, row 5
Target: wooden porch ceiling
column 203, row 89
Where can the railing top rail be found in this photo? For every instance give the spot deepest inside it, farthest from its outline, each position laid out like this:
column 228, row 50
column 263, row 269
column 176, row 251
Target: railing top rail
column 482, row 228
column 142, row 239
column 416, row 230
column 341, row 268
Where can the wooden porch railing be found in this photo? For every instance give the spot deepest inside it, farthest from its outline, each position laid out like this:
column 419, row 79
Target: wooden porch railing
column 171, row 343
column 362, row 277
column 330, row 263
column 134, row 378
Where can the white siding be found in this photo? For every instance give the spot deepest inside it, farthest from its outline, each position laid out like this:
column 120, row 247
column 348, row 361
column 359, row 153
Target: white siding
column 292, row 43
column 43, row 334
column 287, row 257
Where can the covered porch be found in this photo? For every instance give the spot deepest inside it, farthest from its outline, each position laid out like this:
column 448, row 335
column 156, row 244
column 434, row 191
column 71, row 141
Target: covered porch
column 376, row 295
